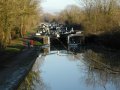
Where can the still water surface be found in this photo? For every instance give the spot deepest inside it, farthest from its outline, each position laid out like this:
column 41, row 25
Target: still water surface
column 87, row 69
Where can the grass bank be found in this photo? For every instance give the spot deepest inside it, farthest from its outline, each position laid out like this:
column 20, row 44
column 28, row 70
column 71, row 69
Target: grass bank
column 14, row 48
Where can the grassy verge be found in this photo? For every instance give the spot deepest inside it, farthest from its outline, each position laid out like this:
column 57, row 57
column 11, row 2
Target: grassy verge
column 14, row 48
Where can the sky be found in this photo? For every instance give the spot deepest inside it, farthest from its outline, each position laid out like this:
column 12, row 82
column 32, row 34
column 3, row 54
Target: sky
column 53, row 6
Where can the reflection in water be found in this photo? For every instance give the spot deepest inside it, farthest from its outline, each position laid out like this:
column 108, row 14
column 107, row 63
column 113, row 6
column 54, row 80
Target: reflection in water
column 77, row 68
column 104, row 60
column 103, row 69
column 33, row 81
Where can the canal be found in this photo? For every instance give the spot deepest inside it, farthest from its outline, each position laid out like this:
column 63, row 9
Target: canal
column 74, row 68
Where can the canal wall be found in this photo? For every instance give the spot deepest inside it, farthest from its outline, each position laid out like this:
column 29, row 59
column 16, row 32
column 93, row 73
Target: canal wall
column 15, row 72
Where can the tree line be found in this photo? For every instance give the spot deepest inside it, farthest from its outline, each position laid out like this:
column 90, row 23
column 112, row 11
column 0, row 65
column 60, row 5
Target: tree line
column 16, row 18
column 101, row 15
column 96, row 16
column 100, row 20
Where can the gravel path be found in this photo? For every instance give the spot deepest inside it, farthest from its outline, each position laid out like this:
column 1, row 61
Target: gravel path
column 13, row 73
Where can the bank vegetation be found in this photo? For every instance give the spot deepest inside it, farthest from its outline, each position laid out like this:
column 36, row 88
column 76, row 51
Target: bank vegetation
column 17, row 17
column 100, row 20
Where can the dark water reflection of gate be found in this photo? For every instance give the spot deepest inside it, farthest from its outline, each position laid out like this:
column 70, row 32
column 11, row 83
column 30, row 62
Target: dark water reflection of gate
column 79, row 68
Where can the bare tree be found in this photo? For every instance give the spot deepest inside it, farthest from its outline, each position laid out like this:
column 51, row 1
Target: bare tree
column 100, row 15
column 23, row 14
column 71, row 14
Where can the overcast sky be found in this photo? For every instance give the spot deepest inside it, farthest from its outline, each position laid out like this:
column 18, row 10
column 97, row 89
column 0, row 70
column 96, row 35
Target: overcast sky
column 52, row 6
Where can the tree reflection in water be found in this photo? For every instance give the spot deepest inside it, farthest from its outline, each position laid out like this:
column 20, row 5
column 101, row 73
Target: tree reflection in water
column 103, row 68
column 100, row 69
column 33, row 81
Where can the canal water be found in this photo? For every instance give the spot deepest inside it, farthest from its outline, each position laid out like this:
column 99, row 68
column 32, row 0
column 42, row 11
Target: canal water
column 74, row 68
